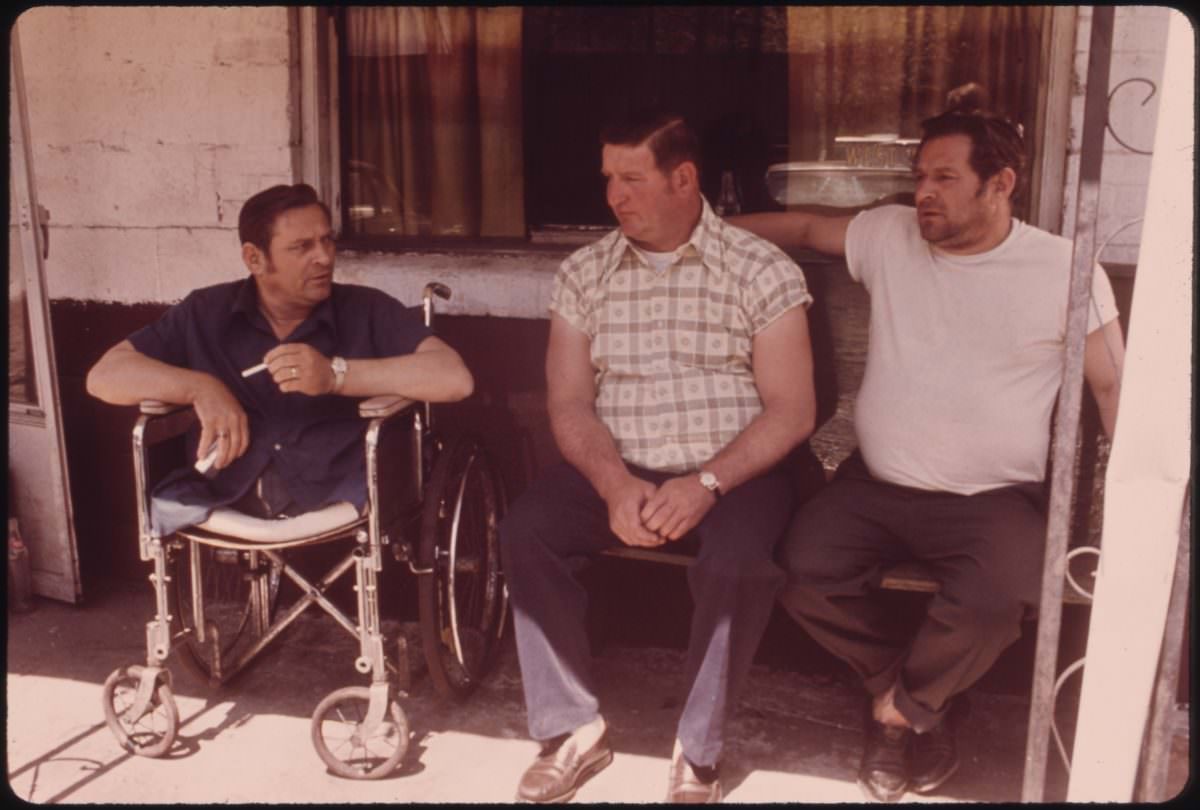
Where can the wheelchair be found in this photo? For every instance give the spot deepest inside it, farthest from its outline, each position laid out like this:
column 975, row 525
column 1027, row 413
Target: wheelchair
column 434, row 503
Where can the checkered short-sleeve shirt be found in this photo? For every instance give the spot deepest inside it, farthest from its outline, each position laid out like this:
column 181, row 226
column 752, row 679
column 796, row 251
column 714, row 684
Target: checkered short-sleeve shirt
column 672, row 349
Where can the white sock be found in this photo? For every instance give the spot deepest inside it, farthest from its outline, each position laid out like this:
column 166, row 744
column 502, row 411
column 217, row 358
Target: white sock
column 588, row 734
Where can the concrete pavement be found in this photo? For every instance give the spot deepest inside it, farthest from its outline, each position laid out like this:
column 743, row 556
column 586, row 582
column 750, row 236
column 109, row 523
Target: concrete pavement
column 796, row 737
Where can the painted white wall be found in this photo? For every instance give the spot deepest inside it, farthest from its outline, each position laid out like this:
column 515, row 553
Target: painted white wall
column 151, row 126
column 1139, row 47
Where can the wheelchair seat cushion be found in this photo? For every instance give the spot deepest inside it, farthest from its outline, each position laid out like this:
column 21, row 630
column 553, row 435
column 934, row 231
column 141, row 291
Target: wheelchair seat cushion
column 232, row 523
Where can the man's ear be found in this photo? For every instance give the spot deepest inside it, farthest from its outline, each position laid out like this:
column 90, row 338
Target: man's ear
column 253, row 258
column 685, row 176
column 1005, row 182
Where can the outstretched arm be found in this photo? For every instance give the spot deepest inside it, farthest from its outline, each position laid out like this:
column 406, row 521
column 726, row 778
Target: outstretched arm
column 584, row 440
column 792, row 230
column 125, row 376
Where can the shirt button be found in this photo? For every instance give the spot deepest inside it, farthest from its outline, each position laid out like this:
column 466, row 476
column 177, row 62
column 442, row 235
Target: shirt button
column 278, row 446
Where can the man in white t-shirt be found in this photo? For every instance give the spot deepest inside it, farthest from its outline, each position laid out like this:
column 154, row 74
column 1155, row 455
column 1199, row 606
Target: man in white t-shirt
column 964, row 363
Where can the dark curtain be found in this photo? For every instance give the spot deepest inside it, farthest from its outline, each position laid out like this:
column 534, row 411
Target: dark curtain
column 434, row 94
column 856, row 70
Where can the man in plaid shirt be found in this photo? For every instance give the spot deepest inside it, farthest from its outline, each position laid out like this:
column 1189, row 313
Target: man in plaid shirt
column 679, row 377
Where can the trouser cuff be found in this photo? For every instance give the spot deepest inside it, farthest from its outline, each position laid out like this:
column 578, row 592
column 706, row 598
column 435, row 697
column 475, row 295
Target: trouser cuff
column 881, row 681
column 919, row 717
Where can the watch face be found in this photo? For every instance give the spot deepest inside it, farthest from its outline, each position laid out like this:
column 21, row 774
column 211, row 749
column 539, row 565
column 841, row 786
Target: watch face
column 339, row 365
column 708, row 480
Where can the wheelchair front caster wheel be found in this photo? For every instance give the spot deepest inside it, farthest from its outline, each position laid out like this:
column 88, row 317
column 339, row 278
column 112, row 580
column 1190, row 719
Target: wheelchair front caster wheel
column 348, row 749
column 149, row 734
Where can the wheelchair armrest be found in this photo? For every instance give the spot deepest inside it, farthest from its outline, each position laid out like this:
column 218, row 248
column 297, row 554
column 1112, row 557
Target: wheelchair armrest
column 382, row 406
column 160, row 421
column 154, row 407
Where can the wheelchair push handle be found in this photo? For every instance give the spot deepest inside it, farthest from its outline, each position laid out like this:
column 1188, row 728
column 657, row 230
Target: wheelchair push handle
column 431, row 289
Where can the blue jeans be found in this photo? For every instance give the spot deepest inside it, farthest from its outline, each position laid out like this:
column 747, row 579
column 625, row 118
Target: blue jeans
column 561, row 520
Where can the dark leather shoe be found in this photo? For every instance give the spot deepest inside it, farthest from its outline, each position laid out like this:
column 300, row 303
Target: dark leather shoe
column 556, row 774
column 934, row 756
column 686, row 786
column 883, row 774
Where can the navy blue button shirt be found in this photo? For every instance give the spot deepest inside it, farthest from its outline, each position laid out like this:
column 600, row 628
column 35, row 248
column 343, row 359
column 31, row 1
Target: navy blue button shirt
column 315, row 442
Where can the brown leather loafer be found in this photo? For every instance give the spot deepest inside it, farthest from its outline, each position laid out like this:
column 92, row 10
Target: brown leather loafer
column 685, row 787
column 555, row 775
column 884, row 772
column 934, row 758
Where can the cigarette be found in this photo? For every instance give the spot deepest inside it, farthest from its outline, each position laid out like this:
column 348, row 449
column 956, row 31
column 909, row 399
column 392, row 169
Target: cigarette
column 254, row 369
column 202, row 466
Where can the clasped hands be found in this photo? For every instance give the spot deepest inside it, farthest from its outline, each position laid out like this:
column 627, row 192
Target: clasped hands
column 641, row 514
column 295, row 367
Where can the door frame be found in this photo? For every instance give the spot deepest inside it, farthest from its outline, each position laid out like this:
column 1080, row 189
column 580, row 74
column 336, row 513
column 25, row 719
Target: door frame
column 43, row 531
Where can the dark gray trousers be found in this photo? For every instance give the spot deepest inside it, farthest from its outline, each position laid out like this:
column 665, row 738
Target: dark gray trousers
column 561, row 520
column 986, row 550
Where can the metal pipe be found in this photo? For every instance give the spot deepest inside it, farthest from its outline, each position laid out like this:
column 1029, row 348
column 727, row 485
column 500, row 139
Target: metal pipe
column 1066, row 431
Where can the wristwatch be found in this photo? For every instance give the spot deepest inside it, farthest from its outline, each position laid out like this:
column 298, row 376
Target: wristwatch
column 339, row 365
column 709, row 481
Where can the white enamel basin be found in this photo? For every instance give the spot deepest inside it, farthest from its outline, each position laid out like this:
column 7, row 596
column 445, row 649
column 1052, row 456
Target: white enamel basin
column 834, row 183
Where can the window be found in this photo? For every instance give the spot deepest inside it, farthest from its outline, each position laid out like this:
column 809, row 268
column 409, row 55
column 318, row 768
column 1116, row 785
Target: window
column 482, row 123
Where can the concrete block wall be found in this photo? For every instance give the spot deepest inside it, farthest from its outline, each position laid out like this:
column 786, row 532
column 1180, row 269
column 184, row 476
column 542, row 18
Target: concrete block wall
column 150, row 126
column 1139, row 42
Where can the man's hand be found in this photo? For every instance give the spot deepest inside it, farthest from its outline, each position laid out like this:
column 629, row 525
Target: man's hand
column 624, row 504
column 678, row 506
column 300, row 367
column 222, row 421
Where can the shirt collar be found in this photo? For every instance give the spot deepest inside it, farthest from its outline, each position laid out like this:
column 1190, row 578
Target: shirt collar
column 245, row 301
column 705, row 240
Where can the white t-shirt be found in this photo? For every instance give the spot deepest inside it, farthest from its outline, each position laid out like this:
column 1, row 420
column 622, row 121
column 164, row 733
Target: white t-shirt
column 965, row 353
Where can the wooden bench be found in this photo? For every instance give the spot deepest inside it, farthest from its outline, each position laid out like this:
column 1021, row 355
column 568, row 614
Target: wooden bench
column 908, row 576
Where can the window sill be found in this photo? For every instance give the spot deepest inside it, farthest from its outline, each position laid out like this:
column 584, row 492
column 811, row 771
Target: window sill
column 500, row 283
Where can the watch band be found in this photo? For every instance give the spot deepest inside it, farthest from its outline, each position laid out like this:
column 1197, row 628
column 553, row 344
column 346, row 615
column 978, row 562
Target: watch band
column 339, row 365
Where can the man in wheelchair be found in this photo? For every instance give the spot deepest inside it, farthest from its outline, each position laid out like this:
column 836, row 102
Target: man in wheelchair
column 272, row 365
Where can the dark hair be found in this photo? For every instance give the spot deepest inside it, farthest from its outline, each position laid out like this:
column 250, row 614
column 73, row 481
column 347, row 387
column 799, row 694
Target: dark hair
column 256, row 222
column 996, row 142
column 670, row 138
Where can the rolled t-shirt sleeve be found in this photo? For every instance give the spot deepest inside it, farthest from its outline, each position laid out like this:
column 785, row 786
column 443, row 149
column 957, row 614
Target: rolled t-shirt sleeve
column 1103, row 306
column 868, row 237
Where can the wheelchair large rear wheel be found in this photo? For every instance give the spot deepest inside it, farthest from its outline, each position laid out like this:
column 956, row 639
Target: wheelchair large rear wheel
column 463, row 601
column 229, row 605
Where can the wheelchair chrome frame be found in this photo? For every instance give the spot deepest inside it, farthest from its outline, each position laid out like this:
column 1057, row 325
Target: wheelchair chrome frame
column 159, row 422
column 366, row 558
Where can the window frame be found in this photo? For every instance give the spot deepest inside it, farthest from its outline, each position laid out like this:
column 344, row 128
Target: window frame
column 316, row 155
